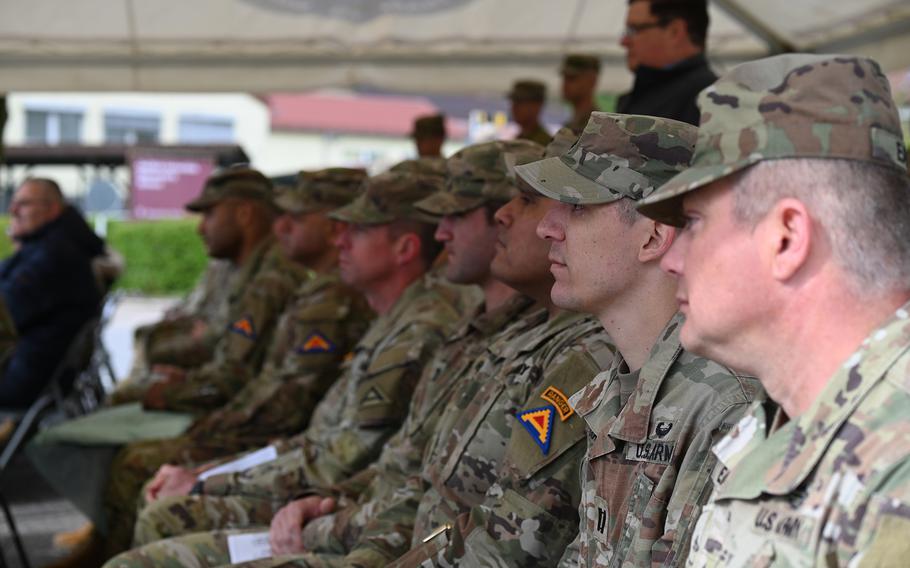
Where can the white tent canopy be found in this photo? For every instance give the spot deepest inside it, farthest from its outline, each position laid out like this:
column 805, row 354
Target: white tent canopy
column 455, row 46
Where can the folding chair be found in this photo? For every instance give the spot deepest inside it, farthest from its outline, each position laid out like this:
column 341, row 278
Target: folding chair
column 76, row 360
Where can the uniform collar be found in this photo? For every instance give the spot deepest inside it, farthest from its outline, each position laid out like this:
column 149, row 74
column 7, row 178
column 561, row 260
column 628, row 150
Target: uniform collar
column 633, row 423
column 793, row 451
column 488, row 323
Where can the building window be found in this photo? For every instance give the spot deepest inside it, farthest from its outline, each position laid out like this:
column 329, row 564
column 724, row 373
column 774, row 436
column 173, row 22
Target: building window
column 52, row 127
column 131, row 128
column 195, row 129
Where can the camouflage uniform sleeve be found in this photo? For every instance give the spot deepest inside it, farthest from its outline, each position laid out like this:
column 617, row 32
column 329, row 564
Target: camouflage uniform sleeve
column 241, row 351
column 349, row 431
column 531, row 515
column 313, row 338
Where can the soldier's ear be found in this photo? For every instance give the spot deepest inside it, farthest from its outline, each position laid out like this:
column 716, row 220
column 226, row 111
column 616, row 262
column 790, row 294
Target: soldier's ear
column 406, row 248
column 786, row 239
column 656, row 241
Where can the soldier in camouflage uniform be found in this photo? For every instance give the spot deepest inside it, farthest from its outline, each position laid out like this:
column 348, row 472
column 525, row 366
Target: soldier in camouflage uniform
column 652, row 417
column 580, row 72
column 798, row 196
column 320, row 326
column 246, row 313
column 527, row 98
column 361, row 411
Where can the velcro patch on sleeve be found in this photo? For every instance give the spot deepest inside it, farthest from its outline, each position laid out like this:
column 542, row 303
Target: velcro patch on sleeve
column 539, row 423
column 244, row 326
column 316, row 343
column 560, row 401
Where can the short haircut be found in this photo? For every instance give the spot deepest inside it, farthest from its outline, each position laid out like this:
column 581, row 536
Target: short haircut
column 863, row 210
column 693, row 12
column 51, row 188
column 627, row 211
column 429, row 246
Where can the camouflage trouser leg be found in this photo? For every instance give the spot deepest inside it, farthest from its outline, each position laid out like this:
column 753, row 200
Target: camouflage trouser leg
column 133, row 466
column 197, row 550
column 210, row 549
column 175, row 516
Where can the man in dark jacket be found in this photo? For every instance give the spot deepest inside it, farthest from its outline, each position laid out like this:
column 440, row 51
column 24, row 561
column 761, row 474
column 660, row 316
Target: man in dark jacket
column 47, row 286
column 665, row 44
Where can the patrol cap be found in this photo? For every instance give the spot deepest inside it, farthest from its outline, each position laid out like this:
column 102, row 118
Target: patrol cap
column 321, row 190
column 564, row 138
column 788, row 106
column 480, row 174
column 425, row 165
column 236, row 181
column 575, row 63
column 431, row 125
column 390, row 197
column 617, row 155
column 528, row 90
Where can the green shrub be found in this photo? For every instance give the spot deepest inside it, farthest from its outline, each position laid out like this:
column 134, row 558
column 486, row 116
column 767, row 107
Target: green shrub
column 163, row 257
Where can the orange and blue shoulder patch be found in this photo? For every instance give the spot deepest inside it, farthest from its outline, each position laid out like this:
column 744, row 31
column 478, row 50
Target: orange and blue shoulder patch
column 315, row 343
column 539, row 423
column 244, row 326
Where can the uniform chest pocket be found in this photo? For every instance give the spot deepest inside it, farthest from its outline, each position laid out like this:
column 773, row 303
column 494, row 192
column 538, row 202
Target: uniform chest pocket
column 643, row 523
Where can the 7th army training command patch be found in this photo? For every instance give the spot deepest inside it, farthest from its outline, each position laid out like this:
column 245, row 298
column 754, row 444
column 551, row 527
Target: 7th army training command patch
column 539, row 423
column 559, row 400
column 314, row 344
column 244, row 326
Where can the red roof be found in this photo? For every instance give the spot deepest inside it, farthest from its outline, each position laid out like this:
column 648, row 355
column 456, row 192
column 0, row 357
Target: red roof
column 353, row 113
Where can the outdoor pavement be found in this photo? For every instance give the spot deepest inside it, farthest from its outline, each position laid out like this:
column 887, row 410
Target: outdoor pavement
column 38, row 511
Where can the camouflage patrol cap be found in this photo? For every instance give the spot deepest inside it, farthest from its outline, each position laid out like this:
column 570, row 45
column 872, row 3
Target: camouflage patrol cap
column 528, row 90
column 564, row 138
column 575, row 63
column 432, row 125
column 390, row 197
column 236, row 181
column 787, row 106
column 321, row 190
column 425, row 165
column 617, row 155
column 480, row 174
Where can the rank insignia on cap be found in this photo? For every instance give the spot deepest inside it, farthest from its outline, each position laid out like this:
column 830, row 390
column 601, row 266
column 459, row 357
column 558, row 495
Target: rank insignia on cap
column 314, row 344
column 559, row 400
column 244, row 326
column 539, row 423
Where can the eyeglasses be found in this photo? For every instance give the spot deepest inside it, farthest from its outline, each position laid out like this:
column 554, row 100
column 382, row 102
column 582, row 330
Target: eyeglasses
column 631, row 30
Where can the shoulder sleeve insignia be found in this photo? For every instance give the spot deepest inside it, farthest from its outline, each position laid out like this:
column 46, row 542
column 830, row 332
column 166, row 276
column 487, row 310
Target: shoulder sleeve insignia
column 244, row 326
column 372, row 397
column 539, row 423
column 314, row 344
column 559, row 400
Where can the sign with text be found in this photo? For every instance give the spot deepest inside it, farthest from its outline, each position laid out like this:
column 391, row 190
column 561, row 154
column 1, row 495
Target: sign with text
column 164, row 181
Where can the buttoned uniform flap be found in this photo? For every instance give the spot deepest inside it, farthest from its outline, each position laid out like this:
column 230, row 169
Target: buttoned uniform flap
column 385, row 389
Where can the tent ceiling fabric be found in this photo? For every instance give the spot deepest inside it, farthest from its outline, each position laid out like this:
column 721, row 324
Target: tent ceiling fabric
column 467, row 46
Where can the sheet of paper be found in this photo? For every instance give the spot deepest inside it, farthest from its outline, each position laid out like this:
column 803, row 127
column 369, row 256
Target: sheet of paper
column 247, row 547
column 252, row 459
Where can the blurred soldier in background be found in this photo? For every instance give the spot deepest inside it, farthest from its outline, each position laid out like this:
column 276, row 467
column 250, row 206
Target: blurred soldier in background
column 579, row 84
column 429, row 134
column 527, row 98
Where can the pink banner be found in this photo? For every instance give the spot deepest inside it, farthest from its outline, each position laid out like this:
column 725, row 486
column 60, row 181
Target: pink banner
column 164, row 181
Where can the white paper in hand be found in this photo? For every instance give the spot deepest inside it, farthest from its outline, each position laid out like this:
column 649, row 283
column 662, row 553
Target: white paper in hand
column 247, row 547
column 252, row 459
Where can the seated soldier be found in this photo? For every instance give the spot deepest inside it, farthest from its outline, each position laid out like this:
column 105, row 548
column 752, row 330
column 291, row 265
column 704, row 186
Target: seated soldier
column 319, row 327
column 47, row 285
column 385, row 251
